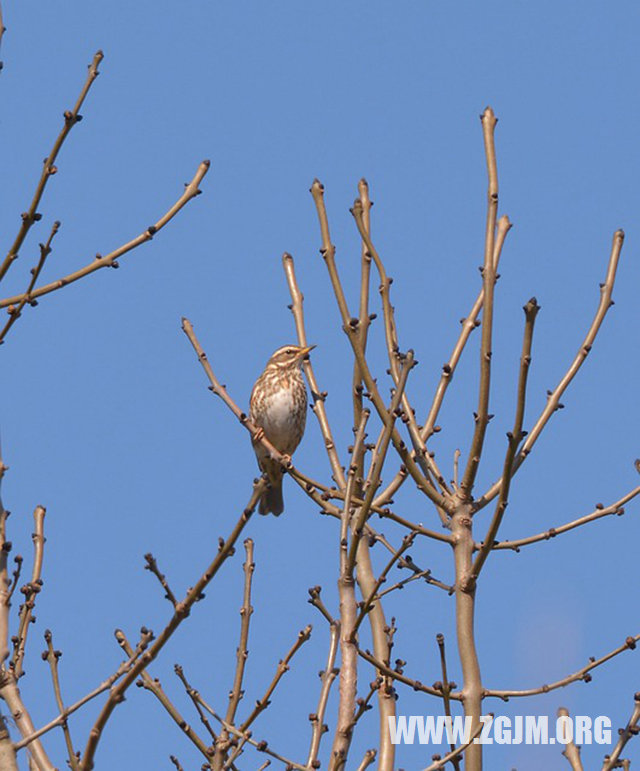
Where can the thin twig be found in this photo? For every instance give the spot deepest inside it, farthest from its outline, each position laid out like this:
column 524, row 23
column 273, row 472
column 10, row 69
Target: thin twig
column 600, row 511
column 110, row 260
column 442, row 762
column 401, row 678
column 318, row 397
column 571, row 752
column 30, row 592
column 446, row 690
column 627, row 733
column 71, row 117
column 391, row 337
column 52, row 656
column 514, row 438
column 327, row 678
column 365, row 606
column 104, row 686
column 553, row 402
column 154, row 686
column 236, row 693
column 15, row 311
column 261, row 746
column 448, row 369
column 581, row 674
column 488, row 282
column 373, row 478
column 181, row 612
column 152, row 567
column 282, row 668
column 350, row 326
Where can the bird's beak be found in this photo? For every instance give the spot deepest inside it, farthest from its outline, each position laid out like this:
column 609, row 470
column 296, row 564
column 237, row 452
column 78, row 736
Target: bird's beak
column 305, row 351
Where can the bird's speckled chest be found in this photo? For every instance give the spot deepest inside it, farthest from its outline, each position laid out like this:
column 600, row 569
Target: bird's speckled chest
column 281, row 411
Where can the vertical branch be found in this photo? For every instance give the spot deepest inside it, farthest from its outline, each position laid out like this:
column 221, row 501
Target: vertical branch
column 318, row 397
column 630, row 730
column 553, row 402
column 488, row 281
column 71, row 117
column 30, row 591
column 364, row 320
column 514, row 438
column 53, row 657
column 16, row 310
column 242, row 653
column 182, row 610
column 7, row 752
column 446, row 690
column 348, row 617
column 571, row 752
column 465, row 594
column 425, row 459
column 328, row 676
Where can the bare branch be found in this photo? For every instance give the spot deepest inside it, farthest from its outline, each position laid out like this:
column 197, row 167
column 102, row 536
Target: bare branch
column 468, row 325
column 447, row 687
column 514, row 438
column 318, row 396
column 327, row 678
column 154, row 686
column 581, row 674
column 104, row 686
column 71, row 117
column 391, row 336
column 600, row 511
column 110, row 260
column 52, row 656
column 571, row 752
column 367, row 760
column 283, row 667
column 373, row 478
column 261, row 746
column 152, row 567
column 15, row 311
column 442, row 762
column 10, row 693
column 401, row 678
column 181, row 612
column 242, row 653
column 350, row 328
column 348, row 684
column 365, row 606
column 488, row 281
column 553, row 402
column 630, row 730
column 30, row 592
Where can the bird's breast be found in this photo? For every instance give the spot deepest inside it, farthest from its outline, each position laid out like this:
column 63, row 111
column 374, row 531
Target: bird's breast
column 281, row 419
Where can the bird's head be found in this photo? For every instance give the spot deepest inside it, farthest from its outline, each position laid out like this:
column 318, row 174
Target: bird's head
column 289, row 356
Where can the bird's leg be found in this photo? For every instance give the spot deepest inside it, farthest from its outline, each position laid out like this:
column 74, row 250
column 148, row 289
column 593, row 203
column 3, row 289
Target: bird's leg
column 258, row 434
column 285, row 460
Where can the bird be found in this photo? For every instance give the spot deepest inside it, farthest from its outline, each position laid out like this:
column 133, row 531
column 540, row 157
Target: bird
column 278, row 408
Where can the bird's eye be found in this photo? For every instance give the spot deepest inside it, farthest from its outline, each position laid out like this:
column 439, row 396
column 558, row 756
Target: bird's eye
column 289, row 351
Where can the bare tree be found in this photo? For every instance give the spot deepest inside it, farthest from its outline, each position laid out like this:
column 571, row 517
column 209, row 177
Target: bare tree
column 386, row 435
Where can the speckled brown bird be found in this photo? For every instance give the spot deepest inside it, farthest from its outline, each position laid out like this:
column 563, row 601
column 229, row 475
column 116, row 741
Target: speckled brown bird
column 279, row 407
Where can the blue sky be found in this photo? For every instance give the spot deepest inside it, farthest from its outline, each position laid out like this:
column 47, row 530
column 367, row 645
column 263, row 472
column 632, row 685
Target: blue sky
column 106, row 418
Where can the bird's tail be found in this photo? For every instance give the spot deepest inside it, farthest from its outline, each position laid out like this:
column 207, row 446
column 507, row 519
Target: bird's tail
column 271, row 499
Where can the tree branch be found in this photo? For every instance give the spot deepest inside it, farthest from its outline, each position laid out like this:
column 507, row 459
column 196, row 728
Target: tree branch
column 581, row 674
column 110, row 260
column 553, row 402
column 71, row 117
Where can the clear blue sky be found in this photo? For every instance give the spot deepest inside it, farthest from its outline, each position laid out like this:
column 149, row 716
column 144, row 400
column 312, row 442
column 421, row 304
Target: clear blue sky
column 106, row 418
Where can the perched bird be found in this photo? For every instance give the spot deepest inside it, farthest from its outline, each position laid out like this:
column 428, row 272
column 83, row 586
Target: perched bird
column 279, row 407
